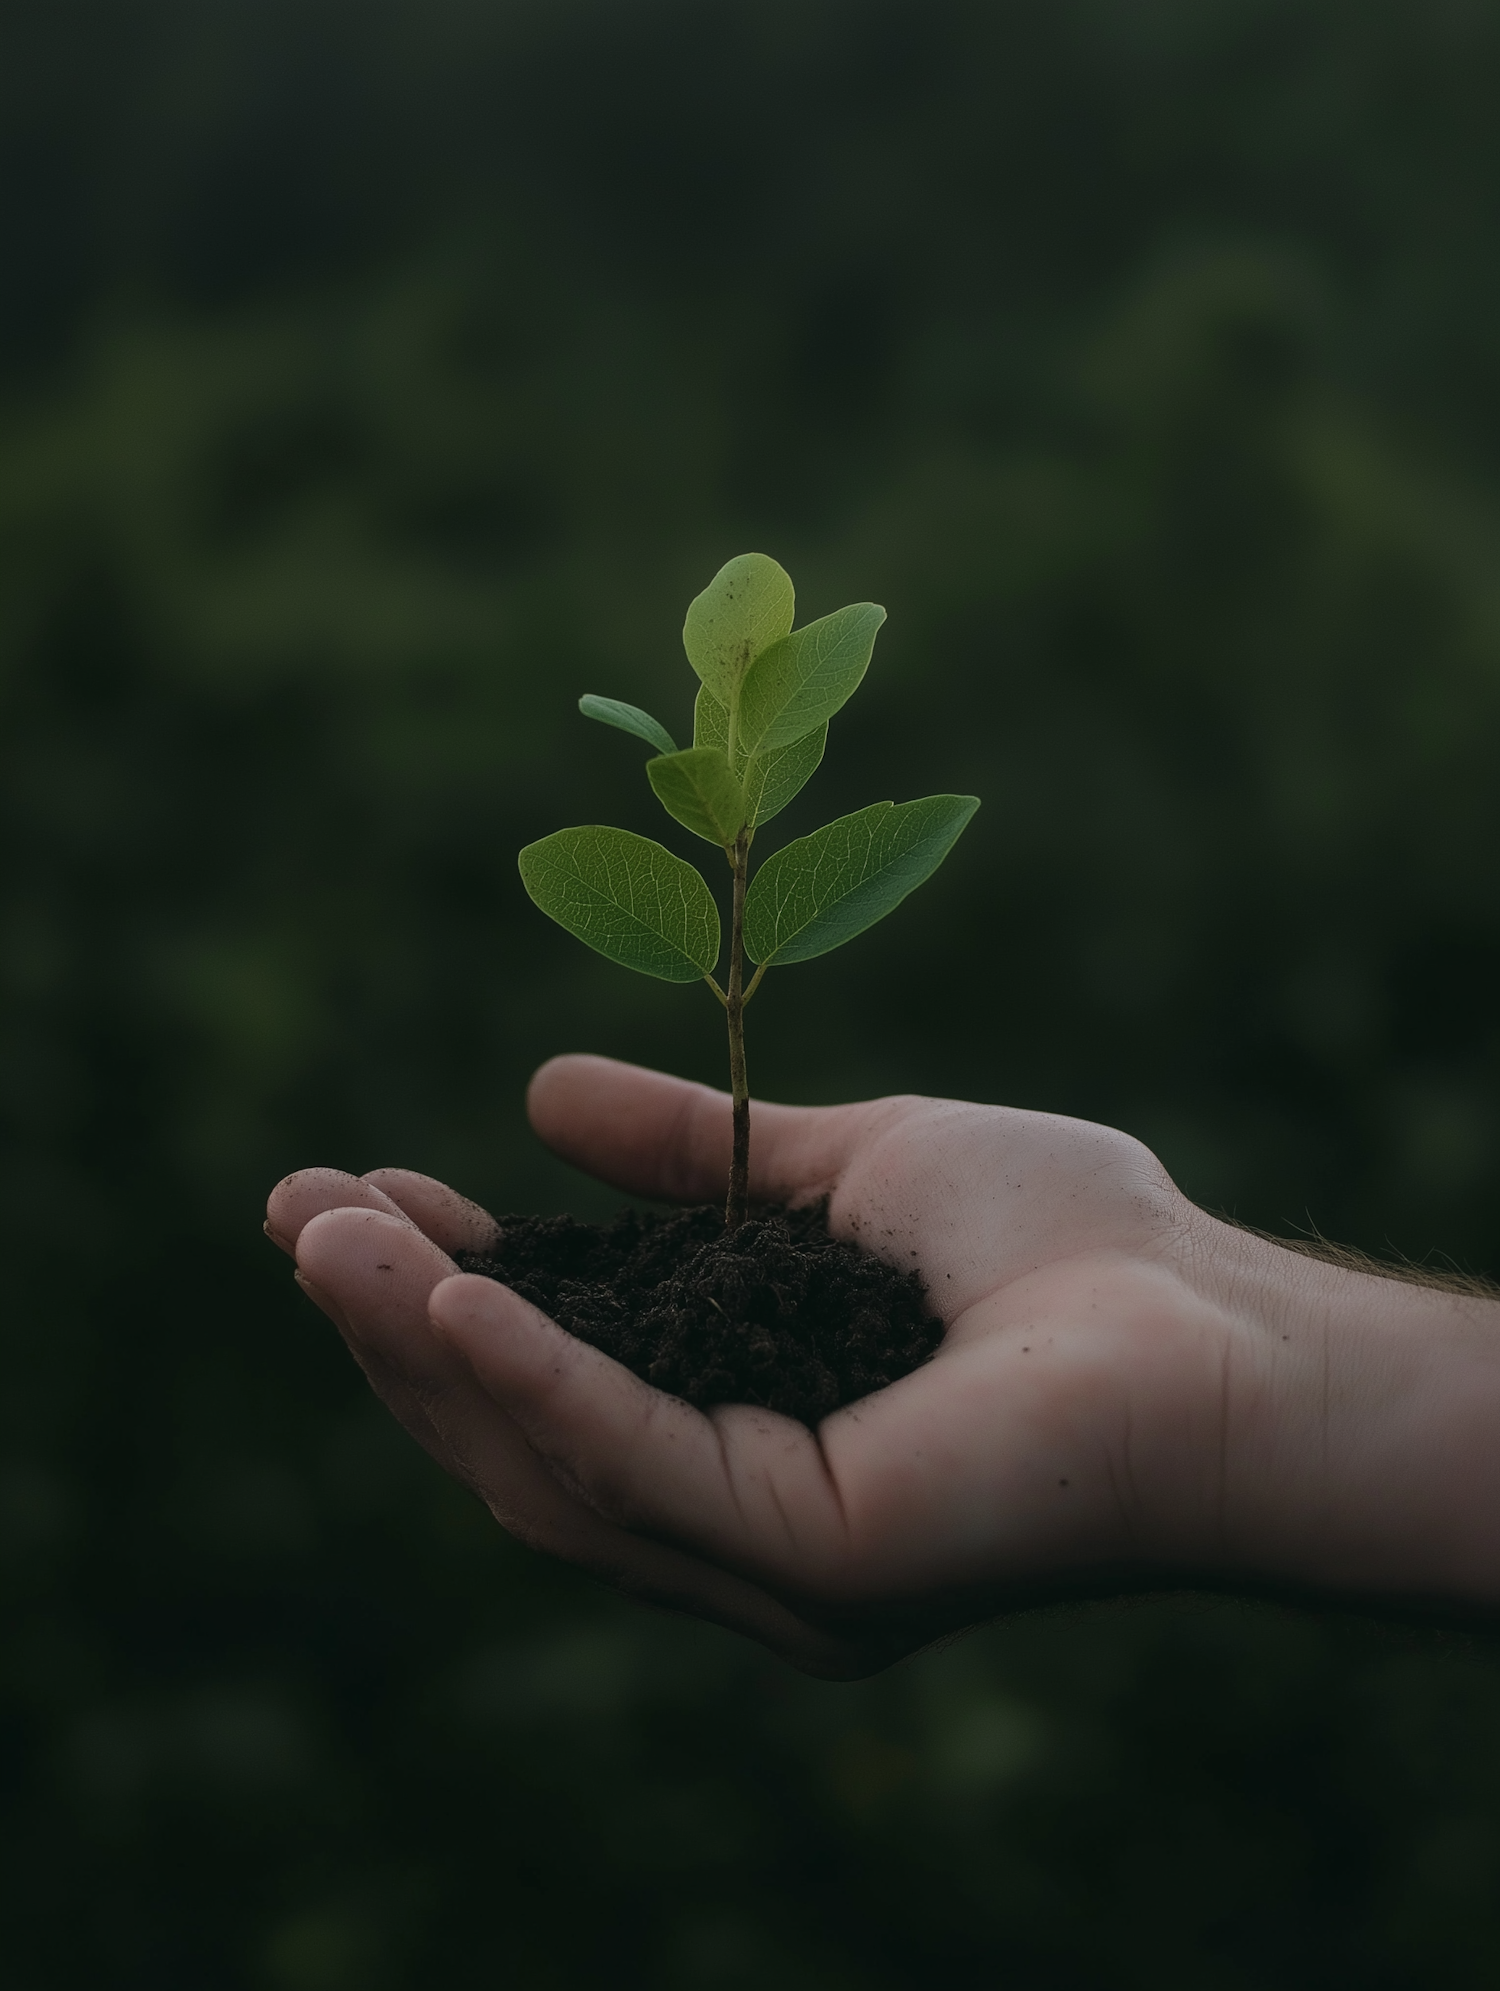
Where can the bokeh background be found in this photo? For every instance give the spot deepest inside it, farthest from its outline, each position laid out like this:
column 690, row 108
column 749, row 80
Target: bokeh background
column 376, row 377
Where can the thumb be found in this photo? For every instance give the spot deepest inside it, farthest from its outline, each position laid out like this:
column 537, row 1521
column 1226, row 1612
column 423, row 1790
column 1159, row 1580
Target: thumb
column 654, row 1135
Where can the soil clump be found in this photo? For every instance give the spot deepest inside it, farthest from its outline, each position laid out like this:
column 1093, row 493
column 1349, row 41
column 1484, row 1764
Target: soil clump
column 775, row 1313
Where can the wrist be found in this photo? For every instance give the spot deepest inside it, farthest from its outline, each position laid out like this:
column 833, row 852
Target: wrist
column 1360, row 1427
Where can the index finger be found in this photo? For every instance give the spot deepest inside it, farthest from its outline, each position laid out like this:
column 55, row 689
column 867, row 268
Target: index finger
column 654, row 1135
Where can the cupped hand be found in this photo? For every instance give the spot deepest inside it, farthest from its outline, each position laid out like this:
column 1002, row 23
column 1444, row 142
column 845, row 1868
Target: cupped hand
column 1068, row 1434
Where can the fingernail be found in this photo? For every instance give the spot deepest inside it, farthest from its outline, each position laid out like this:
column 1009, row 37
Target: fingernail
column 321, row 1300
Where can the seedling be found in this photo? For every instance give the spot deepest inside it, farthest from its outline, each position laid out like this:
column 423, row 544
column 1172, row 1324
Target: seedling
column 760, row 725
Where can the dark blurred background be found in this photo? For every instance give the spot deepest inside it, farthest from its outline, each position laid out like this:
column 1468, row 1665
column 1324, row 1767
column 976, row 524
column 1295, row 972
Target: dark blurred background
column 374, row 378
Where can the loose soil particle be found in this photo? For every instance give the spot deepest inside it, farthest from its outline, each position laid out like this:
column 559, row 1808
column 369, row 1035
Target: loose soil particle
column 776, row 1313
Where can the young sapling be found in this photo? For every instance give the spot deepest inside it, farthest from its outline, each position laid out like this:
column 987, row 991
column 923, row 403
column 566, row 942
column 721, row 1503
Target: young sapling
column 760, row 725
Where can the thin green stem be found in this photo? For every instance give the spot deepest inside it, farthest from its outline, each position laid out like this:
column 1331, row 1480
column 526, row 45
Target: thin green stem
column 738, row 1204
column 754, row 983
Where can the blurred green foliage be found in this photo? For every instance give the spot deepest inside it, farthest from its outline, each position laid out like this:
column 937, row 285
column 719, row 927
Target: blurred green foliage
column 372, row 377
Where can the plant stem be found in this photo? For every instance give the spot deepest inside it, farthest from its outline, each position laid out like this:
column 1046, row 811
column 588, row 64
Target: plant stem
column 737, row 1207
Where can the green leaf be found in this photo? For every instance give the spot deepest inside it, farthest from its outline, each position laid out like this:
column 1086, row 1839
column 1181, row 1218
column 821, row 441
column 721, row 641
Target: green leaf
column 770, row 780
column 627, row 898
column 629, row 719
column 823, row 889
column 710, row 722
column 697, row 788
column 800, row 682
column 746, row 607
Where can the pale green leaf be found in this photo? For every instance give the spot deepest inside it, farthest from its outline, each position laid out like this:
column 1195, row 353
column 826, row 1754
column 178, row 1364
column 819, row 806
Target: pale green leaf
column 770, row 780
column 746, row 607
column 800, row 682
column 697, row 788
column 629, row 719
column 627, row 898
column 825, row 888
column 710, row 722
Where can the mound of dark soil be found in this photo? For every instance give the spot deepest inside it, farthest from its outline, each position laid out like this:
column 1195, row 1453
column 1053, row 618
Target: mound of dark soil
column 776, row 1313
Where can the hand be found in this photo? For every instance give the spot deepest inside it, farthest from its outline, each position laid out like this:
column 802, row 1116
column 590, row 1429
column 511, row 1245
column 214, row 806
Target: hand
column 1128, row 1393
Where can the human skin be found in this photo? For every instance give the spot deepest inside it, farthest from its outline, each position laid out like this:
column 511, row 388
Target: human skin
column 1130, row 1394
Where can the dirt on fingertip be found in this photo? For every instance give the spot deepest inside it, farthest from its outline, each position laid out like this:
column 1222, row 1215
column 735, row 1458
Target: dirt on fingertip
column 775, row 1313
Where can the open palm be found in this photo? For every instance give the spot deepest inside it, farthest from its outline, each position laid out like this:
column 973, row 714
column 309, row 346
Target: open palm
column 1066, row 1435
